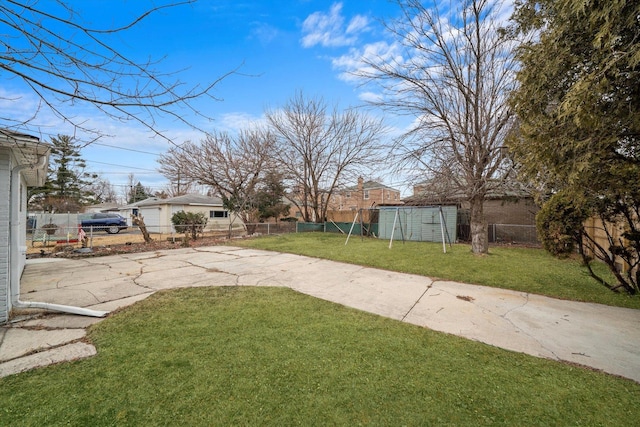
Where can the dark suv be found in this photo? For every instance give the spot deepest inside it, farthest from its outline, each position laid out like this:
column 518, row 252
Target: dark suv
column 112, row 223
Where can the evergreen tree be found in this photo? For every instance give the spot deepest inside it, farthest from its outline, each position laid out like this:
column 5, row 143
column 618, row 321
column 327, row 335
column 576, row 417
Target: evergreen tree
column 269, row 197
column 578, row 103
column 68, row 186
column 139, row 192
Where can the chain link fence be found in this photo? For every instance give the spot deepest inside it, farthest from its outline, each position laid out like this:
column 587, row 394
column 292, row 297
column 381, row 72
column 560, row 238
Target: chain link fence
column 513, row 233
column 57, row 231
column 50, row 230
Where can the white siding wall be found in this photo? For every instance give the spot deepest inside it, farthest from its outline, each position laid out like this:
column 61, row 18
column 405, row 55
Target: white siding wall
column 5, row 187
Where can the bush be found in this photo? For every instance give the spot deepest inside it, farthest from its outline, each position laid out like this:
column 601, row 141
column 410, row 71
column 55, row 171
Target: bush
column 50, row 228
column 560, row 224
column 288, row 219
column 185, row 222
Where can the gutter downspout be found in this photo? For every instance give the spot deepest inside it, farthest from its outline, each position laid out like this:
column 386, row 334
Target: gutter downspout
column 14, row 279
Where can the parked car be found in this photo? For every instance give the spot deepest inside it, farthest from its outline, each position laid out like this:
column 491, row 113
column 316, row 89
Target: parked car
column 112, row 223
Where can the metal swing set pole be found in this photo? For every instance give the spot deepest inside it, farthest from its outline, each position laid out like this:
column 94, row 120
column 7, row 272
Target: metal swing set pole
column 396, row 219
column 351, row 229
column 444, row 230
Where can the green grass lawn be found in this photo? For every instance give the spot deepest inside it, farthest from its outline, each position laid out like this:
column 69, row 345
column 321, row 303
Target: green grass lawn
column 521, row 269
column 271, row 356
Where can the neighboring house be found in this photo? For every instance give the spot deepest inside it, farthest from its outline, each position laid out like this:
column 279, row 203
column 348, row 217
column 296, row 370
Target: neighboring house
column 366, row 194
column 157, row 212
column 102, row 207
column 23, row 163
column 509, row 209
column 296, row 206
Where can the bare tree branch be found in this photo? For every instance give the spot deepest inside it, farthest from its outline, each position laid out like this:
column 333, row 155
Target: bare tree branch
column 319, row 148
column 453, row 74
column 232, row 166
column 66, row 64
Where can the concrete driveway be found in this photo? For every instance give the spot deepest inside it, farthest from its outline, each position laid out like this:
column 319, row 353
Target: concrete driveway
column 601, row 337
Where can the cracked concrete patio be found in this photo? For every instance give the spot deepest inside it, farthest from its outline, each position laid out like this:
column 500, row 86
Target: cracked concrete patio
column 601, row 337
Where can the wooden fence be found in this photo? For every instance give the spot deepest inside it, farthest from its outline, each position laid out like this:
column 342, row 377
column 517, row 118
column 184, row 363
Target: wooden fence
column 601, row 233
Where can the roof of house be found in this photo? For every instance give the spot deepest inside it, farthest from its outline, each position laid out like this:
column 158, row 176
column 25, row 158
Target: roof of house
column 28, row 149
column 103, row 207
column 435, row 193
column 187, row 199
column 370, row 185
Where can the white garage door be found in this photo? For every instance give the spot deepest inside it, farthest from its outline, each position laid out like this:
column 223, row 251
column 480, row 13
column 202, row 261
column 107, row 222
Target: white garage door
column 151, row 219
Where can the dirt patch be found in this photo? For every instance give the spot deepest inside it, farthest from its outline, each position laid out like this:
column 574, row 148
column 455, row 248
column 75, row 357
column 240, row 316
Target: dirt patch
column 120, row 244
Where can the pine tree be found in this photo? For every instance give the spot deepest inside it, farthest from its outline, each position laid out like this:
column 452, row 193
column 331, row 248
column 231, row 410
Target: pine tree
column 578, row 103
column 139, row 192
column 68, row 185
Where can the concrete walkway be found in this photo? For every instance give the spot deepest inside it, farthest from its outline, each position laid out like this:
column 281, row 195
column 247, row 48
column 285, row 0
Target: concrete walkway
column 605, row 338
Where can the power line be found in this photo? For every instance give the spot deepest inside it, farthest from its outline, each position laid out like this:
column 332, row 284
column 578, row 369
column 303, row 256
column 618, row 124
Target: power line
column 121, row 166
column 126, row 149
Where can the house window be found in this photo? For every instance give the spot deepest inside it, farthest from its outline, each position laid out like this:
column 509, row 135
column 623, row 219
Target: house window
column 218, row 214
column 366, row 194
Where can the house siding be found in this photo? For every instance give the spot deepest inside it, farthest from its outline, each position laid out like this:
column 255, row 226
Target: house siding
column 522, row 212
column 5, row 187
column 157, row 218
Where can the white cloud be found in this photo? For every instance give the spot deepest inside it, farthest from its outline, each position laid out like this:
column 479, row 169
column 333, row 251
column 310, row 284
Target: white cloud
column 354, row 62
column 357, row 24
column 264, row 33
column 371, row 97
column 328, row 29
column 233, row 122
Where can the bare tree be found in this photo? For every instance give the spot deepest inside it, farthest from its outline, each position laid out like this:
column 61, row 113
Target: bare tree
column 233, row 166
column 67, row 63
column 178, row 187
column 103, row 191
column 453, row 73
column 318, row 149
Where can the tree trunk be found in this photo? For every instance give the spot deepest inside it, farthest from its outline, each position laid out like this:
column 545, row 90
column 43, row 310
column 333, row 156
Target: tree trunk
column 479, row 241
column 139, row 221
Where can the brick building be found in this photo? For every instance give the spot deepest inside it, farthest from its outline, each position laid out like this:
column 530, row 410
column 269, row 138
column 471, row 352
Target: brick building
column 366, row 194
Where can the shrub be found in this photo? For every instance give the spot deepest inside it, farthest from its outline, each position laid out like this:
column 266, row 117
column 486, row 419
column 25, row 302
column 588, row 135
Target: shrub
column 50, row 228
column 185, row 222
column 560, row 224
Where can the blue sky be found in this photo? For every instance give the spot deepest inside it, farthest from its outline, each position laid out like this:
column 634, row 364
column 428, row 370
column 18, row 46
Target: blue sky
column 278, row 47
